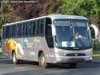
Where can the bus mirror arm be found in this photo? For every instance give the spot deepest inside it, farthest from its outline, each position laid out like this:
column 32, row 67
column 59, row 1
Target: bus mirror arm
column 96, row 32
column 53, row 30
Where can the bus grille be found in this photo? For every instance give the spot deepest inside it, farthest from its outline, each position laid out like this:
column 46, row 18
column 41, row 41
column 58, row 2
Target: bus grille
column 76, row 54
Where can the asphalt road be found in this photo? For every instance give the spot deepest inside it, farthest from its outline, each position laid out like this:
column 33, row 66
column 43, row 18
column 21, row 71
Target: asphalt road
column 30, row 68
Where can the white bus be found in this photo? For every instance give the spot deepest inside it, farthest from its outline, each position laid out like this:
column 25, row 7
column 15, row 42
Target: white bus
column 48, row 39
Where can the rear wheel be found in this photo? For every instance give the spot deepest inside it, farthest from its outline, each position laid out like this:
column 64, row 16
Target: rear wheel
column 14, row 60
column 42, row 61
column 72, row 65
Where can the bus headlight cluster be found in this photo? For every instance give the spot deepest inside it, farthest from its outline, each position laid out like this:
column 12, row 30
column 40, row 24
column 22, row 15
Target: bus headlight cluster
column 62, row 54
column 88, row 54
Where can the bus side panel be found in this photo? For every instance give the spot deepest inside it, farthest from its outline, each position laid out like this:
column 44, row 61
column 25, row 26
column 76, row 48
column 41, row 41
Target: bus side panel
column 29, row 49
column 6, row 48
column 32, row 46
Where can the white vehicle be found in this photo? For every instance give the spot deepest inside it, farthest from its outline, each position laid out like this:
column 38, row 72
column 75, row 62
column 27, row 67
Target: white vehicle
column 49, row 39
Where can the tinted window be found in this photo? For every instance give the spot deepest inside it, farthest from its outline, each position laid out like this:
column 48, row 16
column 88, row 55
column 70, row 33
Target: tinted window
column 42, row 26
column 4, row 32
column 25, row 28
column 7, row 31
column 30, row 28
column 34, row 27
column 19, row 30
column 13, row 30
column 38, row 26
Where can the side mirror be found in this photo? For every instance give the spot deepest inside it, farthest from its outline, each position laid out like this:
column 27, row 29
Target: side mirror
column 96, row 32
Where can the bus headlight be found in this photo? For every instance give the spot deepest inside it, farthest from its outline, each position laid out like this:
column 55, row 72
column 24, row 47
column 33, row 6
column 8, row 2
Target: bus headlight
column 62, row 54
column 91, row 58
column 88, row 54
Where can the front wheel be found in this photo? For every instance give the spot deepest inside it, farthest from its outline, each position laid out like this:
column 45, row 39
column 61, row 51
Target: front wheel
column 42, row 61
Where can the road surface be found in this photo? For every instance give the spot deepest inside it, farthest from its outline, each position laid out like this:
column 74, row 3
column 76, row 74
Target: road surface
column 30, row 68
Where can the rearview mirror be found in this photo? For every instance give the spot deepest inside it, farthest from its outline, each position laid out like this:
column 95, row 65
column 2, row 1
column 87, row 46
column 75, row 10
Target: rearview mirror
column 95, row 32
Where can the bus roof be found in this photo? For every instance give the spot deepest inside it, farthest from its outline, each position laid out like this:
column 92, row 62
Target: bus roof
column 52, row 16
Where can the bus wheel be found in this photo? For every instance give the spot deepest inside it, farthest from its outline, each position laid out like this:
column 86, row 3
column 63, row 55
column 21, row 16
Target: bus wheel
column 42, row 62
column 14, row 60
column 72, row 65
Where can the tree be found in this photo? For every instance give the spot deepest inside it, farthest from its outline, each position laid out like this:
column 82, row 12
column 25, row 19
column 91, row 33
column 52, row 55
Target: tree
column 88, row 8
column 52, row 7
column 4, row 13
column 27, row 11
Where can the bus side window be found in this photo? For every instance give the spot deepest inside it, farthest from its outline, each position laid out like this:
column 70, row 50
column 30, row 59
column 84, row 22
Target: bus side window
column 31, row 24
column 37, row 27
column 14, row 30
column 24, row 29
column 34, row 27
column 4, row 33
column 27, row 28
column 17, row 30
column 10, row 32
column 30, row 28
column 7, row 31
column 42, row 26
column 21, row 29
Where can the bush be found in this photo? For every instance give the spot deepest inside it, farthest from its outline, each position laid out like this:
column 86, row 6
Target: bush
column 97, row 47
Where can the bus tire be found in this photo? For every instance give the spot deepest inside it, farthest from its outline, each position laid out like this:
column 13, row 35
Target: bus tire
column 42, row 62
column 72, row 65
column 14, row 60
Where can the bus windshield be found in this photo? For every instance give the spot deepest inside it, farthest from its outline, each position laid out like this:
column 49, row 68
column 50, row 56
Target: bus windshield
column 72, row 33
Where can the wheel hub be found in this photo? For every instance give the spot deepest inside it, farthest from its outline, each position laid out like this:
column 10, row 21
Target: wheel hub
column 42, row 60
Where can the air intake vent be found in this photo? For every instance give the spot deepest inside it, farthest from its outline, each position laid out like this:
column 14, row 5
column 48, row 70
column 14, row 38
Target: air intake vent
column 76, row 54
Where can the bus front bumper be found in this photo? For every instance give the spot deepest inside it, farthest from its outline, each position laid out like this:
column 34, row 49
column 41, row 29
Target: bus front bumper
column 73, row 59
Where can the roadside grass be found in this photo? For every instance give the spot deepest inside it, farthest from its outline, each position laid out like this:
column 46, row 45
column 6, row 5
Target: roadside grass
column 96, row 55
column 0, row 50
column 96, row 50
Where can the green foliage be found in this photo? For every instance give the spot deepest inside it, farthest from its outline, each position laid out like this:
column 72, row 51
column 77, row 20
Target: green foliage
column 88, row 8
column 97, row 47
column 53, row 7
column 81, row 7
column 4, row 14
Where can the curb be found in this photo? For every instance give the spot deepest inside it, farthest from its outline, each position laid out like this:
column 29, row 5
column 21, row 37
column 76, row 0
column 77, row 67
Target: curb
column 2, row 56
